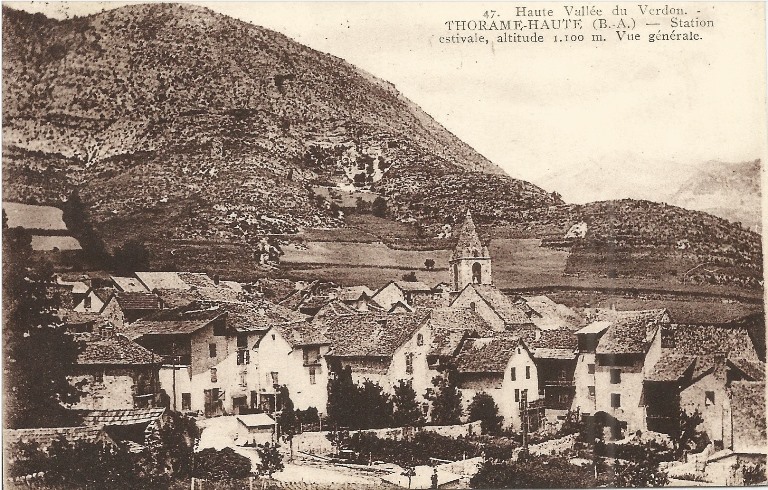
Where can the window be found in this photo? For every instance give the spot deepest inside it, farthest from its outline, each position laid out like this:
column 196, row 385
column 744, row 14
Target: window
column 420, row 340
column 98, row 376
column 272, row 378
column 615, row 376
column 591, row 391
column 186, row 401
column 220, row 329
column 312, row 379
column 243, row 380
column 615, row 400
column 212, row 350
column 409, row 363
column 527, row 372
column 87, row 303
column 242, row 341
column 311, row 355
column 273, row 336
column 709, row 398
column 513, row 374
column 424, row 408
column 517, row 395
column 214, row 378
column 590, row 368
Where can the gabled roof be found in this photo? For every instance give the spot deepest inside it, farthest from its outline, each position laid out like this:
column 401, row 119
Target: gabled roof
column 78, row 287
column 197, row 279
column 137, row 301
column 487, row 355
column 72, row 317
column 256, row 420
column 549, row 314
column 502, row 304
column 750, row 367
column 451, row 325
column 233, row 285
column 113, row 350
column 161, row 280
column 45, row 436
column 595, row 327
column 125, row 416
column 709, row 339
column 557, row 343
column 302, row 334
column 468, row 243
column 354, row 293
column 178, row 321
column 252, row 316
column 335, row 308
column 631, row 332
column 371, row 334
column 103, row 293
column 129, row 284
column 411, row 286
column 670, row 367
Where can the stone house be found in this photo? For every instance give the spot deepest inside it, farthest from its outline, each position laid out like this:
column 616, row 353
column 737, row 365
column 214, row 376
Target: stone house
column 357, row 297
column 411, row 293
column 554, row 352
column 495, row 307
column 127, row 307
column 115, row 373
column 695, row 371
column 502, row 366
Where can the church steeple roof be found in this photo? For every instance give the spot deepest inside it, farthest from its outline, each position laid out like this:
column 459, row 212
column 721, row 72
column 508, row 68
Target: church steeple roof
column 468, row 244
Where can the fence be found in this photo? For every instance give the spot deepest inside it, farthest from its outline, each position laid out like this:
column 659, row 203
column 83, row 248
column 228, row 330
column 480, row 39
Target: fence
column 267, row 484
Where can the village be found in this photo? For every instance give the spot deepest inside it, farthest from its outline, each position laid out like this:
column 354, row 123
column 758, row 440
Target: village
column 546, row 378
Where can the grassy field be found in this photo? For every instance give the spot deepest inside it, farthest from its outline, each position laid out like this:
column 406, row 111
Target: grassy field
column 34, row 217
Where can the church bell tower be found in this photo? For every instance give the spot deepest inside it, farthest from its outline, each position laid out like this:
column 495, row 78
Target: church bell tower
column 470, row 262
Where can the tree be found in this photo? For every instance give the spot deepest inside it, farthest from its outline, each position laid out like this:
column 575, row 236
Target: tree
column 379, row 207
column 685, row 432
column 77, row 218
column 375, row 407
column 35, row 391
column 484, row 409
column 131, row 257
column 410, row 277
column 287, row 421
column 446, row 399
column 270, row 459
column 533, row 473
column 406, row 409
column 342, row 396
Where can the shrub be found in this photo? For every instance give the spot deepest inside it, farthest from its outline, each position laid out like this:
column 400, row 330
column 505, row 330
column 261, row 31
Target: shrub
column 754, row 473
column 271, row 461
column 534, row 473
column 484, row 409
column 225, row 464
column 406, row 409
column 418, row 451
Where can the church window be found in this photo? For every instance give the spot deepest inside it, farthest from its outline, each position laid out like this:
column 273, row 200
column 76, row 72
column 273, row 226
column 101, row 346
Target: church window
column 420, row 340
column 475, row 253
column 477, row 273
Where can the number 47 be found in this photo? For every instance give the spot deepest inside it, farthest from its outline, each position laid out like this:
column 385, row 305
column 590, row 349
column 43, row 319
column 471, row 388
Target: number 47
column 489, row 14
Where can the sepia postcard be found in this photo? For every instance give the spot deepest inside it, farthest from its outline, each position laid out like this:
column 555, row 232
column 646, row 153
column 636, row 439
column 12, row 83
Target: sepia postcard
column 355, row 245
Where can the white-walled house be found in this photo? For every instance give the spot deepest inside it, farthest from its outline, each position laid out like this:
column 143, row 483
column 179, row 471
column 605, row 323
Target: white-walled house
column 503, row 367
column 495, row 307
column 411, row 293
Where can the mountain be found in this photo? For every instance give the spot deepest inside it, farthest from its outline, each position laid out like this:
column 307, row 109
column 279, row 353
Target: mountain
column 727, row 190
column 197, row 134
column 212, row 127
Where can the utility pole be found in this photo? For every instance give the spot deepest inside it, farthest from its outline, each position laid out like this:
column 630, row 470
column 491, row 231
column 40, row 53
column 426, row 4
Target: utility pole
column 173, row 366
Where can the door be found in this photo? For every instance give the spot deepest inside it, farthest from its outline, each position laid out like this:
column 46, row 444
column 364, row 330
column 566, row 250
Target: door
column 212, row 404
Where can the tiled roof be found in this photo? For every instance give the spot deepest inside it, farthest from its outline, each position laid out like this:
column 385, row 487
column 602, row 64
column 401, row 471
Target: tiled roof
column 137, row 301
column 354, row 293
column 233, row 285
column 254, row 315
column 413, row 286
column 129, row 284
column 549, row 314
column 631, row 332
column 468, row 243
column 45, row 436
column 371, row 334
column 708, row 339
column 114, row 350
column 126, row 416
column 217, row 293
column 751, row 367
column 502, row 304
column 71, row 317
column 197, row 279
column 487, row 355
column 748, row 408
column 178, row 321
column 256, row 420
column 450, row 325
column 176, row 298
column 556, row 338
column 78, row 287
column 103, row 293
column 303, row 333
column 595, row 327
column 335, row 308
column 161, row 280
column 670, row 367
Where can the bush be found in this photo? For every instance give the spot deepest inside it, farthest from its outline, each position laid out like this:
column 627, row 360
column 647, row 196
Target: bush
column 484, row 409
column 534, row 473
column 754, row 473
column 271, row 461
column 225, row 464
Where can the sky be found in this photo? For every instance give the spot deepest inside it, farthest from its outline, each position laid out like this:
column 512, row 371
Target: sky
column 543, row 110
